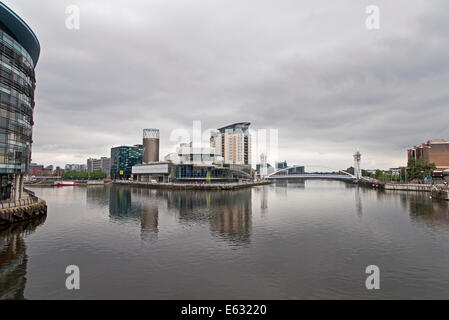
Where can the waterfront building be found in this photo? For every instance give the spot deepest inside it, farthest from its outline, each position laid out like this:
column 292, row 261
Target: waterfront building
column 168, row 171
column 191, row 164
column 123, row 158
column 103, row 164
column 433, row 151
column 233, row 143
column 153, row 171
column 19, row 54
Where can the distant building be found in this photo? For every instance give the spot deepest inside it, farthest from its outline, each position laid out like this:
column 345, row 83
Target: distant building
column 394, row 171
column 260, row 171
column 75, row 167
column 103, row 164
column 233, row 143
column 293, row 170
column 39, row 170
column 371, row 171
column 59, row 171
column 106, row 166
column 123, row 158
column 433, row 151
column 281, row 165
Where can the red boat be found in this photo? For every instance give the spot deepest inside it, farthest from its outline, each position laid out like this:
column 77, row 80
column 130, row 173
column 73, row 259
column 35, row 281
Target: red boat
column 67, row 184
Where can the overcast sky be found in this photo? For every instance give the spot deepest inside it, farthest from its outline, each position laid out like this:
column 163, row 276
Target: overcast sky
column 311, row 69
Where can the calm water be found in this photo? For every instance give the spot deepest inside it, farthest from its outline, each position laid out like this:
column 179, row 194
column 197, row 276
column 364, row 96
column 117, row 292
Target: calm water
column 285, row 241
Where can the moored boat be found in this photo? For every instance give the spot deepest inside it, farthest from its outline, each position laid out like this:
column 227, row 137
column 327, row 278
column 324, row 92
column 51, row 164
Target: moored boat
column 66, row 184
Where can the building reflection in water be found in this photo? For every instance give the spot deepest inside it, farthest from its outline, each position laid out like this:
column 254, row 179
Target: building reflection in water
column 13, row 258
column 264, row 200
column 228, row 213
column 358, row 201
column 136, row 204
column 423, row 209
column 283, row 185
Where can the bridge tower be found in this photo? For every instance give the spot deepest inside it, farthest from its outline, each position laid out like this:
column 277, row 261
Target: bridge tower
column 357, row 168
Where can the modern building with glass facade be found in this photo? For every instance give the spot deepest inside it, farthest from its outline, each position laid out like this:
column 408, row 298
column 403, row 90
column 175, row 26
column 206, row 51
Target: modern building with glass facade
column 123, row 158
column 19, row 53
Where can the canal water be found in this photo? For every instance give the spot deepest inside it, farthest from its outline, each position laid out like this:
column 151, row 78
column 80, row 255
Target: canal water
column 297, row 240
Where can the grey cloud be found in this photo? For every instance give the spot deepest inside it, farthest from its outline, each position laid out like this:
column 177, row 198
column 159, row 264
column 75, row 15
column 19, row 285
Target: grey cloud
column 309, row 68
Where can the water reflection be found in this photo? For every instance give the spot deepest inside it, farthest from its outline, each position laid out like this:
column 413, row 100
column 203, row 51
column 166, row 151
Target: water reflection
column 358, row 201
column 228, row 213
column 433, row 213
column 13, row 258
column 136, row 204
column 310, row 245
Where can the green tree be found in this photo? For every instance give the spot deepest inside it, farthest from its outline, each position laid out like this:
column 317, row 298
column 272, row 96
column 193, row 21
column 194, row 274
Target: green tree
column 75, row 175
column 366, row 173
column 403, row 175
column 420, row 169
column 379, row 174
column 97, row 175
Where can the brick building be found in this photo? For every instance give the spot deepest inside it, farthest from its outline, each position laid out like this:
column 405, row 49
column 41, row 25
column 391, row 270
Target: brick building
column 433, row 151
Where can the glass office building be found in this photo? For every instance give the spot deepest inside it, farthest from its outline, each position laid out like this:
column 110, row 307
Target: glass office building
column 19, row 53
column 123, row 158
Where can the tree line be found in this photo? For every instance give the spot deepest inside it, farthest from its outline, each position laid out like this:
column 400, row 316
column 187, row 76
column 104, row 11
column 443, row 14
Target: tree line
column 416, row 170
column 83, row 175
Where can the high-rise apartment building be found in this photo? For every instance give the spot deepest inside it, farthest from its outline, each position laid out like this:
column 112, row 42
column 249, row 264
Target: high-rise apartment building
column 233, row 143
column 75, row 167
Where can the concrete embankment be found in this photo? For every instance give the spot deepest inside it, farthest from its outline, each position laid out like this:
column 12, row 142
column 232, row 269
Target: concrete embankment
column 437, row 191
column 78, row 183
column 408, row 187
column 192, row 186
column 371, row 184
column 22, row 210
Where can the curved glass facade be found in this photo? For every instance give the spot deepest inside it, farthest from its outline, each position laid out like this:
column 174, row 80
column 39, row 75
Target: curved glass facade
column 17, row 84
